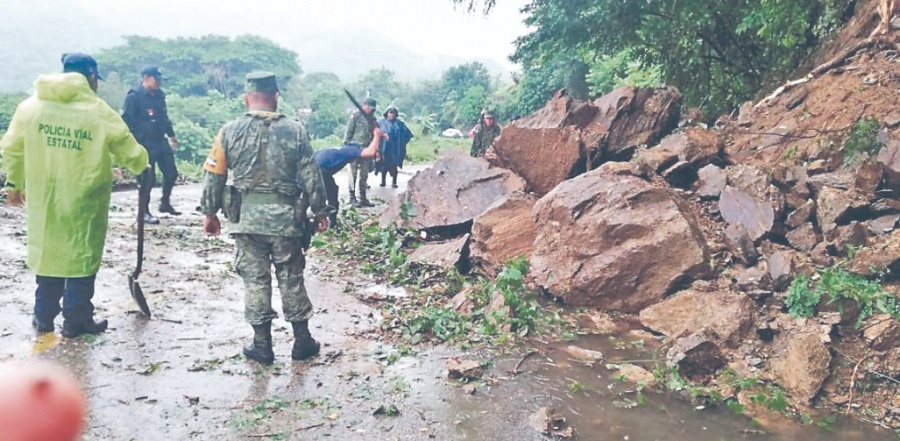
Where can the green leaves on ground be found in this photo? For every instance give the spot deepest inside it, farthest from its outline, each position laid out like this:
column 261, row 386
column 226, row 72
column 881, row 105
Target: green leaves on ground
column 835, row 284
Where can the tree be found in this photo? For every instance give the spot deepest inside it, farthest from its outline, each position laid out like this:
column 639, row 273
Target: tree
column 197, row 65
column 718, row 52
column 382, row 85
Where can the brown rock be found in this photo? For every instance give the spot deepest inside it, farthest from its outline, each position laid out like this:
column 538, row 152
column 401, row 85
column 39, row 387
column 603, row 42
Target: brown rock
column 737, row 207
column 462, row 303
column 630, row 117
column 884, row 224
column 882, row 332
column 803, row 365
column 444, row 255
column 756, row 183
column 801, row 215
column 868, row 176
column 546, row 421
column 820, row 255
column 889, row 158
column 504, row 231
column 680, row 175
column 781, row 268
column 597, row 322
column 746, row 114
column 462, row 369
column 883, row 255
column 797, row 196
column 614, row 241
column 695, row 146
column 657, row 158
column 582, row 354
column 750, row 279
column 886, row 206
column 725, row 314
column 835, row 207
column 636, row 375
column 712, row 181
column 803, row 238
column 451, row 193
column 853, row 235
column 567, row 137
column 695, row 355
column 738, row 241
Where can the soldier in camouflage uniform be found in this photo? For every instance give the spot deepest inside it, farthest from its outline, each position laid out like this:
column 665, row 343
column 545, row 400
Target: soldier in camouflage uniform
column 274, row 178
column 359, row 132
column 484, row 134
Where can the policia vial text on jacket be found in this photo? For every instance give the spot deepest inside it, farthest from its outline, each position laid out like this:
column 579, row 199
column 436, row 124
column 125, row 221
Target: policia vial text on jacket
column 64, row 137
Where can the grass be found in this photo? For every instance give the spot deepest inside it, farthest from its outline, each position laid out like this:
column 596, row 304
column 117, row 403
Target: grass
column 863, row 138
column 836, row 283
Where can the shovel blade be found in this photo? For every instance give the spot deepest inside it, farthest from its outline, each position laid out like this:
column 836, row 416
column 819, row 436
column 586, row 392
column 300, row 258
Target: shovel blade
column 138, row 295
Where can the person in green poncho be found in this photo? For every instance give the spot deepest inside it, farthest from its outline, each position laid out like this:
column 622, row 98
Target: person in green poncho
column 58, row 153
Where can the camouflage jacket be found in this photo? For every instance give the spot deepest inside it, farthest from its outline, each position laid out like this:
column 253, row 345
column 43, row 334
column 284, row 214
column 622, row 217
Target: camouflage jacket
column 484, row 137
column 272, row 165
column 358, row 130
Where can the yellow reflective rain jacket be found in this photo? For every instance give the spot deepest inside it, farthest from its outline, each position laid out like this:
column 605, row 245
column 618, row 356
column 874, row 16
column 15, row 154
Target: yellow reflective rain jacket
column 60, row 148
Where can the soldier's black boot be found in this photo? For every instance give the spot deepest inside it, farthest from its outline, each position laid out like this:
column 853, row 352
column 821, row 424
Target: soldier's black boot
column 72, row 330
column 364, row 201
column 353, row 201
column 41, row 326
column 384, row 179
column 166, row 207
column 261, row 348
column 304, row 345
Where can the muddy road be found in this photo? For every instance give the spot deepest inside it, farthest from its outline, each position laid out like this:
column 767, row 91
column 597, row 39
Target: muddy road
column 180, row 375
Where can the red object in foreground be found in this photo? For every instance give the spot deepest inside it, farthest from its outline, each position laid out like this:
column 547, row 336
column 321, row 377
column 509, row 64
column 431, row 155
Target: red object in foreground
column 40, row 402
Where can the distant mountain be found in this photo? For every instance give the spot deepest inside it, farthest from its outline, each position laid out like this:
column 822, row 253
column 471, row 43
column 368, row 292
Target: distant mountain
column 34, row 34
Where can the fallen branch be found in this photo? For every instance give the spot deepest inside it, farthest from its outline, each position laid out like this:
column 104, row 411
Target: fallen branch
column 853, row 383
column 873, row 372
column 311, row 426
column 516, row 371
column 818, row 70
column 177, row 322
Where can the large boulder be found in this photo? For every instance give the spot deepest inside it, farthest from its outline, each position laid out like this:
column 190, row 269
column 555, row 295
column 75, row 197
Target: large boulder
column 739, row 208
column 504, row 231
column 444, row 255
column 803, row 365
column 836, row 207
column 725, row 314
column 568, row 137
column 452, row 192
column 614, row 241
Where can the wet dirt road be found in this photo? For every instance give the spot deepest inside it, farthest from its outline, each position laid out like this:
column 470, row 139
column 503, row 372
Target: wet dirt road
column 180, row 375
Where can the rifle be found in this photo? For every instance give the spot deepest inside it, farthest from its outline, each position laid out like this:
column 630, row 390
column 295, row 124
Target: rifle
column 369, row 117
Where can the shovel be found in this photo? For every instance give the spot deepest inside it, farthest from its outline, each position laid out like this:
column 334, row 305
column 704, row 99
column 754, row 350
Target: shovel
column 136, row 293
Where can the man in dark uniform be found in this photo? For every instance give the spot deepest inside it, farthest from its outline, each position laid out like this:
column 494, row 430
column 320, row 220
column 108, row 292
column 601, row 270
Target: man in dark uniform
column 147, row 117
column 331, row 161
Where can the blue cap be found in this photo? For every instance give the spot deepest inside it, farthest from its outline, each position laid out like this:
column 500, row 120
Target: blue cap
column 81, row 63
column 152, row 71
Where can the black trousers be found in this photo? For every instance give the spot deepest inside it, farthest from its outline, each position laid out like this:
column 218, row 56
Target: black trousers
column 163, row 157
column 331, row 195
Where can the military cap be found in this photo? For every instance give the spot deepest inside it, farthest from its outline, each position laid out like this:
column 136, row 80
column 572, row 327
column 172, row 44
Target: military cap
column 261, row 81
column 489, row 114
column 152, row 71
column 81, row 63
column 371, row 102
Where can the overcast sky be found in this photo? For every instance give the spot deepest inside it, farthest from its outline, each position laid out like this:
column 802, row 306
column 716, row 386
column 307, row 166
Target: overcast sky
column 425, row 26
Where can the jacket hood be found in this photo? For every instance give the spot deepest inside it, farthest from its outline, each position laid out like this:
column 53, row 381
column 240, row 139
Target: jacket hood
column 62, row 87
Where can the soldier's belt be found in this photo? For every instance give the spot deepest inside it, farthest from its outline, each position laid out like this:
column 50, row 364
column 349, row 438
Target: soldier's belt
column 267, row 198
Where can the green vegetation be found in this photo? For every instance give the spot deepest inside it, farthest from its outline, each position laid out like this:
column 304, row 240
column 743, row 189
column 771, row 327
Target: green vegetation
column 835, row 284
column 501, row 309
column 718, row 53
column 863, row 138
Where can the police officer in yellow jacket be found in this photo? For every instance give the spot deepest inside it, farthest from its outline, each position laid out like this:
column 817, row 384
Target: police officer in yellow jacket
column 59, row 150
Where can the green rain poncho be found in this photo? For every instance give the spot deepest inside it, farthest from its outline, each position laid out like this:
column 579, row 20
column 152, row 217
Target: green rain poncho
column 60, row 148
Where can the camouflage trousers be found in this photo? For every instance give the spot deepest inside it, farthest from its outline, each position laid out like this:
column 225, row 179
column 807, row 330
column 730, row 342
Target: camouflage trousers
column 256, row 253
column 362, row 167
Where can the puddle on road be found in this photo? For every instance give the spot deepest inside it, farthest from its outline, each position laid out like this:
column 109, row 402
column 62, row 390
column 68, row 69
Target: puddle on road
column 601, row 407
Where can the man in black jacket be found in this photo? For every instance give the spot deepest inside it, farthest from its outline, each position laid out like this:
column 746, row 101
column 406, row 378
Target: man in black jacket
column 147, row 117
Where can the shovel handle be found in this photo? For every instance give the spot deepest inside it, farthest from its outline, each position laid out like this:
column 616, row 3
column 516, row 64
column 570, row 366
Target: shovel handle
column 143, row 196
